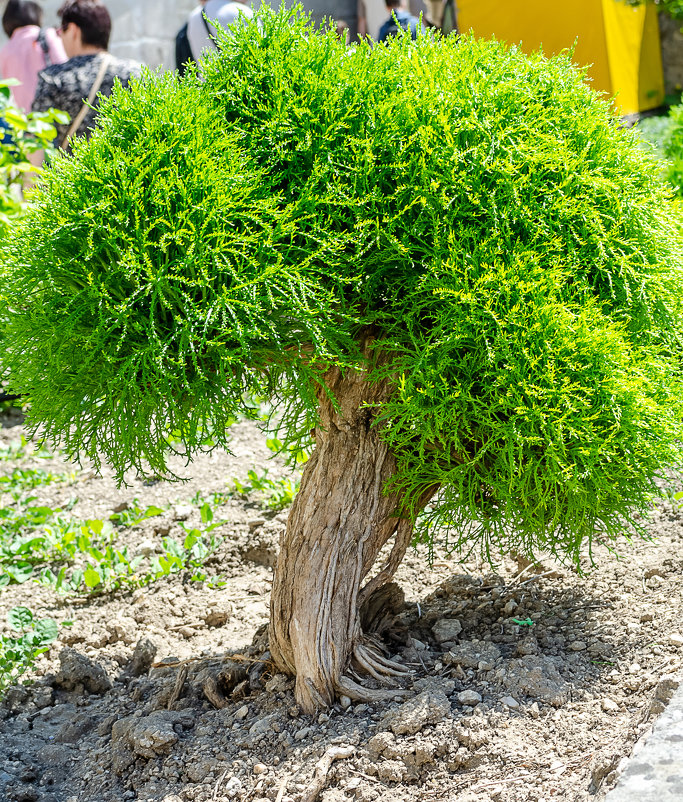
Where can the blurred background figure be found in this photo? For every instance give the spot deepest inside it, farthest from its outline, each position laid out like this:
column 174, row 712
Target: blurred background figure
column 30, row 49
column 342, row 28
column 74, row 85
column 183, row 51
column 201, row 32
column 399, row 19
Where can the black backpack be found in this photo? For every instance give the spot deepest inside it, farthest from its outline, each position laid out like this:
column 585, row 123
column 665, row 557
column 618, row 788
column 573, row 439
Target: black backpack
column 183, row 52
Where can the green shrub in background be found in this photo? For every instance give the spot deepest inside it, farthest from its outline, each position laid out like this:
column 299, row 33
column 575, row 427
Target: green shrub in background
column 20, row 135
column 469, row 223
column 673, row 148
column 674, row 8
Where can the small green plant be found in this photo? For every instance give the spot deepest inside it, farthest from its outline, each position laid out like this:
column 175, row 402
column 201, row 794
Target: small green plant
column 18, row 653
column 134, row 514
column 273, row 494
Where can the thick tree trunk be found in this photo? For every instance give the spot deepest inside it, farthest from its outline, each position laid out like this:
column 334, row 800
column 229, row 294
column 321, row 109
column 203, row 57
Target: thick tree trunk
column 339, row 522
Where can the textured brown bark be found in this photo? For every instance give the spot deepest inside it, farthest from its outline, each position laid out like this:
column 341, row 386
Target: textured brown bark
column 339, row 522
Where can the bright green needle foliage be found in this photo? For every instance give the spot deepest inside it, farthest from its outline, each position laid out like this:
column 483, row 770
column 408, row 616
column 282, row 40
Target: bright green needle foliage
column 479, row 211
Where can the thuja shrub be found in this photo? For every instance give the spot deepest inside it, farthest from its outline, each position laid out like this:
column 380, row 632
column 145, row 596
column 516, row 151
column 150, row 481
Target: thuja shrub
column 468, row 222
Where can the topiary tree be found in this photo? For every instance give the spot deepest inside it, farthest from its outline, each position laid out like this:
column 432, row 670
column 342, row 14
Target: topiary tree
column 444, row 258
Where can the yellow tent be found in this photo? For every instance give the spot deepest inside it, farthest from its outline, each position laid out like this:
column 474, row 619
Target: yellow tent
column 620, row 43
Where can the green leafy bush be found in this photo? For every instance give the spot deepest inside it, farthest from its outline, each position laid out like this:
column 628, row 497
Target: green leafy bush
column 673, row 148
column 477, row 211
column 22, row 135
column 674, row 8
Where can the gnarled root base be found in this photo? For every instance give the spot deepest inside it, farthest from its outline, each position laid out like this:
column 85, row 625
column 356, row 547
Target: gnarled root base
column 338, row 524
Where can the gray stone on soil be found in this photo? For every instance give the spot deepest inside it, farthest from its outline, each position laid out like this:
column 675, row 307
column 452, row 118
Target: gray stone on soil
column 77, row 669
column 536, row 677
column 469, row 654
column 429, row 707
column 469, row 698
column 391, row 771
column 654, row 772
column 146, row 737
column 447, row 629
column 143, row 657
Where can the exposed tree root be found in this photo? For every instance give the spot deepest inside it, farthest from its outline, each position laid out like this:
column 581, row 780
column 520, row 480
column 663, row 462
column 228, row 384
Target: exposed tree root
column 322, row 770
column 346, row 686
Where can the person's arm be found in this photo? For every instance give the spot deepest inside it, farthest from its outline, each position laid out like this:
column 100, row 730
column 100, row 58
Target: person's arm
column 55, row 46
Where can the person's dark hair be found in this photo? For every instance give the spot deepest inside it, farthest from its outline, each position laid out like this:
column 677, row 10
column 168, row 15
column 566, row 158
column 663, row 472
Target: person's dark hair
column 392, row 3
column 19, row 13
column 91, row 17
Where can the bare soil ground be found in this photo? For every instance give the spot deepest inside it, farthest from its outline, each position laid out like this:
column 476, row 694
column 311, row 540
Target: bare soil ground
column 158, row 693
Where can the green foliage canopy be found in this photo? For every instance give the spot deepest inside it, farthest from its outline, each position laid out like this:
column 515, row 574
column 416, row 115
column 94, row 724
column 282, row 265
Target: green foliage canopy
column 478, row 210
column 673, row 148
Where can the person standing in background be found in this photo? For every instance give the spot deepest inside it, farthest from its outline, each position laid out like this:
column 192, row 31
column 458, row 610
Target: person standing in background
column 201, row 33
column 183, row 51
column 30, row 49
column 90, row 71
column 400, row 19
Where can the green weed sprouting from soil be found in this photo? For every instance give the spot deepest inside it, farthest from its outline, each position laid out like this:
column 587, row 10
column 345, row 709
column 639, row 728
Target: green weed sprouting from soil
column 18, row 653
column 479, row 211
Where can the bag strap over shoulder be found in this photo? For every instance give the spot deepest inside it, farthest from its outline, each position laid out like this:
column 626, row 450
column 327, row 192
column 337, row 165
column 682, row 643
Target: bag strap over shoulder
column 44, row 46
column 87, row 103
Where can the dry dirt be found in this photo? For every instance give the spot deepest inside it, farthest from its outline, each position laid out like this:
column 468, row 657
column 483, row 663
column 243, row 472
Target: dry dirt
column 548, row 709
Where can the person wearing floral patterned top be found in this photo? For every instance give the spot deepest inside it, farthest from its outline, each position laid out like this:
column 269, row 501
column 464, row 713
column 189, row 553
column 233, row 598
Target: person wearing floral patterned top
column 85, row 31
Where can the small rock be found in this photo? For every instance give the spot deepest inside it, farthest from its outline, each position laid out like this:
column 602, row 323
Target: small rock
column 381, row 743
column 260, row 768
column 77, row 669
column 510, row 607
column 122, row 628
column 391, row 771
column 418, row 645
column 146, row 548
column 121, row 507
column 473, row 654
column 447, row 629
column 537, row 677
column 676, row 640
column 510, row 701
column 578, row 646
column 233, row 787
column 143, row 657
column 304, row 732
column 181, row 512
column 345, row 702
column 646, row 617
column 278, row 684
column 218, row 616
column 526, row 646
column 255, row 523
column 469, row 698
column 666, row 687
column 609, row 705
column 428, row 707
column 198, row 770
column 634, row 668
column 242, row 713
column 162, row 528
column 263, row 725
